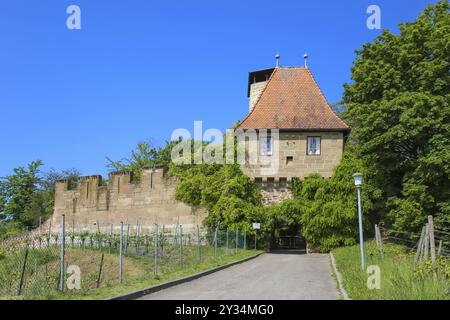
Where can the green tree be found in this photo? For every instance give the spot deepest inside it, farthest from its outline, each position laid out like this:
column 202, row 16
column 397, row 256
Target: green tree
column 20, row 194
column 28, row 195
column 328, row 207
column 143, row 156
column 398, row 108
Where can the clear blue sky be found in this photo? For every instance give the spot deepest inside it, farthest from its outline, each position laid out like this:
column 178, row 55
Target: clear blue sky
column 139, row 69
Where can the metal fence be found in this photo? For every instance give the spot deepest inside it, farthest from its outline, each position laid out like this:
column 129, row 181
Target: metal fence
column 432, row 242
column 78, row 258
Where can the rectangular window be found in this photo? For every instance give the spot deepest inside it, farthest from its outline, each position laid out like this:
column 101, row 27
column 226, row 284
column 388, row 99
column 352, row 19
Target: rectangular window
column 265, row 147
column 289, row 161
column 313, row 146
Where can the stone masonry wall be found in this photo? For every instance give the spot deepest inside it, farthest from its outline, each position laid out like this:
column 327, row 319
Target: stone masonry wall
column 150, row 201
column 292, row 146
column 255, row 92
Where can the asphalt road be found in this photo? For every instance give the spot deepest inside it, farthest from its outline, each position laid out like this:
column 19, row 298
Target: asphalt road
column 267, row 277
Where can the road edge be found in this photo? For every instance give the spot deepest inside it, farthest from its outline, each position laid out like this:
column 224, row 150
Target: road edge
column 339, row 278
column 143, row 292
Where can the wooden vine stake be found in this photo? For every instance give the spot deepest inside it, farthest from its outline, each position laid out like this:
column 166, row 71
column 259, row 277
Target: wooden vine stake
column 432, row 243
column 426, row 242
column 379, row 240
column 420, row 245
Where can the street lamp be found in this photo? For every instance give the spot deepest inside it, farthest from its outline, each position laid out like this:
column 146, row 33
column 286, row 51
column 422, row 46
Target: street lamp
column 358, row 183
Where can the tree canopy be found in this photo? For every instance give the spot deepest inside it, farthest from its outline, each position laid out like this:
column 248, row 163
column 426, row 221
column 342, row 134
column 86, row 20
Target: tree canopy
column 398, row 108
column 27, row 195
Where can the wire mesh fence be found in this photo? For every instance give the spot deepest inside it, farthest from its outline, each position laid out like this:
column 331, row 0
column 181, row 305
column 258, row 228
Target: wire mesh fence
column 83, row 258
column 419, row 242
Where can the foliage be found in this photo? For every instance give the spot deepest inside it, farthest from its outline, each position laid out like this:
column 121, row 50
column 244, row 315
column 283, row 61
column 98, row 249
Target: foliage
column 398, row 107
column 401, row 278
column 144, row 156
column 28, row 195
column 230, row 197
column 328, row 206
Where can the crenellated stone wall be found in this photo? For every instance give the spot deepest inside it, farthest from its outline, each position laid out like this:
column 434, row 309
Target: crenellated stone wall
column 149, row 201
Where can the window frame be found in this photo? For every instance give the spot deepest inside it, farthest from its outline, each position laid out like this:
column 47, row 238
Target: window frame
column 320, row 146
column 267, row 153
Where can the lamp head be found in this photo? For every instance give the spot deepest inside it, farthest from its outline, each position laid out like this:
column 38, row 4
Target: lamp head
column 358, row 179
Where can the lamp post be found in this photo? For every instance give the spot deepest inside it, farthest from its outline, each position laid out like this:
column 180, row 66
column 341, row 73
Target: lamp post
column 358, row 183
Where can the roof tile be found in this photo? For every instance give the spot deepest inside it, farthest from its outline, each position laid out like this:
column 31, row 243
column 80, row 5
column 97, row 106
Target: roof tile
column 292, row 100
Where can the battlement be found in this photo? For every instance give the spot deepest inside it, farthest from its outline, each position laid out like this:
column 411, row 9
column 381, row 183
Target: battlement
column 149, row 200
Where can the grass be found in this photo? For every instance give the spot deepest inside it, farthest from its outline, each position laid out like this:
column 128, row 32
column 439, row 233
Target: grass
column 401, row 278
column 42, row 272
column 137, row 282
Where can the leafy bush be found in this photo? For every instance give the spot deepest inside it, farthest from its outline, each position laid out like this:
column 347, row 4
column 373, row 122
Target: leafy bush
column 329, row 206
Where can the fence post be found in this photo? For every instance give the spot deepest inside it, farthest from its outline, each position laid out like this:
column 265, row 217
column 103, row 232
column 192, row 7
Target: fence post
column 198, row 244
column 100, row 271
column 439, row 248
column 227, row 240
column 245, row 239
column 432, row 243
column 110, row 237
column 380, row 240
column 376, row 236
column 237, row 239
column 126, row 240
column 22, row 275
column 49, row 233
column 181, row 245
column 121, row 252
column 156, row 250
column 215, row 243
column 427, row 241
column 420, row 245
column 63, row 243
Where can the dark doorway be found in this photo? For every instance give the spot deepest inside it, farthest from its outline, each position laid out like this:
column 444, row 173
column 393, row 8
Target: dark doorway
column 289, row 244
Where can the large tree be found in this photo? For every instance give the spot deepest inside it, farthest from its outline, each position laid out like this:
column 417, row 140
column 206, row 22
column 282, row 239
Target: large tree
column 27, row 195
column 398, row 107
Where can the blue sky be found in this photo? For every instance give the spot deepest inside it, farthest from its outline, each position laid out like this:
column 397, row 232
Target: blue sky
column 139, row 69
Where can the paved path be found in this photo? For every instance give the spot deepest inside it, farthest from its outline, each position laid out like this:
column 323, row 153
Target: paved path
column 268, row 277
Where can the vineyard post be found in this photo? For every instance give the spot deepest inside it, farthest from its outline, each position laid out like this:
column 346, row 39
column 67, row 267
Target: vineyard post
column 181, row 245
column 63, row 243
column 227, row 240
column 427, row 241
column 420, row 245
column 121, row 252
column 432, row 241
column 237, row 240
column 198, row 244
column 156, row 250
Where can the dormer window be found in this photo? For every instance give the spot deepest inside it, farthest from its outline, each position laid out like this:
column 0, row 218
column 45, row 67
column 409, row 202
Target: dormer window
column 313, row 146
column 265, row 147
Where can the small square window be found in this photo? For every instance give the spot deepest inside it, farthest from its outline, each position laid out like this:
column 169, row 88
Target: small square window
column 265, row 147
column 289, row 160
column 313, row 146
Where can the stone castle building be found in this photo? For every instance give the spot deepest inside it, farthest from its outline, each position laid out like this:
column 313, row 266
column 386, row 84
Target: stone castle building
column 311, row 140
column 311, row 136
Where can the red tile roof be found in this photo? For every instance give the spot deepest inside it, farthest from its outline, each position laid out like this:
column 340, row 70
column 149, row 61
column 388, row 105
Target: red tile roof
column 292, row 100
